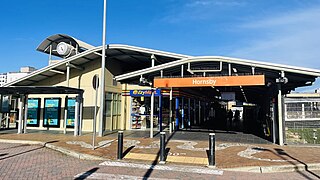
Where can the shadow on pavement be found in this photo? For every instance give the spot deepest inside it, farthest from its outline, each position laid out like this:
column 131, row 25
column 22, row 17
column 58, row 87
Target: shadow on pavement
column 150, row 170
column 12, row 147
column 4, row 154
column 87, row 174
column 24, row 152
column 127, row 151
column 282, row 152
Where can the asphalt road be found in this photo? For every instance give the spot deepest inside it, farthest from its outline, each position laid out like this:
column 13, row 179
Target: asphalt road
column 19, row 161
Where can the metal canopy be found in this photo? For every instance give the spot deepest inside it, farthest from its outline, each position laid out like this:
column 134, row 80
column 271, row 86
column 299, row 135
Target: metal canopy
column 54, row 40
column 297, row 76
column 17, row 90
column 129, row 63
column 124, row 59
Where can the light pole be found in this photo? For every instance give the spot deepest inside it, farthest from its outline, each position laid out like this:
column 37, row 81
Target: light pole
column 103, row 65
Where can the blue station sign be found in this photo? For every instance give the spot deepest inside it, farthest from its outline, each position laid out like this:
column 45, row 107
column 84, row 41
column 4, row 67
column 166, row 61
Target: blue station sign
column 144, row 93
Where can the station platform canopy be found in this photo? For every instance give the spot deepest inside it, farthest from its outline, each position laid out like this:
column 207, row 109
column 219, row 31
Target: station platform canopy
column 136, row 65
column 23, row 90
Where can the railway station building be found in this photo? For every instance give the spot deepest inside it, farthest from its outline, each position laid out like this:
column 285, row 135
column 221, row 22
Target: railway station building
column 151, row 90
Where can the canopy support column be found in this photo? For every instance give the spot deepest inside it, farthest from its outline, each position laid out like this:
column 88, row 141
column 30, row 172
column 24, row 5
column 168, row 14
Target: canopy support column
column 280, row 118
column 76, row 121
column 160, row 112
column 177, row 114
column 80, row 114
column 65, row 115
column 199, row 112
column 151, row 113
column 25, row 114
column 194, row 112
column 182, row 113
column 189, row 113
column 170, row 112
column 66, row 101
column 20, row 114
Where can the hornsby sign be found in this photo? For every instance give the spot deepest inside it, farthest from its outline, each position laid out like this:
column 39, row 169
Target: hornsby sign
column 250, row 80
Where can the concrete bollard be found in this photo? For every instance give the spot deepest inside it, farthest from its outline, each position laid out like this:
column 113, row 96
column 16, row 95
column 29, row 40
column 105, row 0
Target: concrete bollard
column 120, row 145
column 212, row 140
column 162, row 147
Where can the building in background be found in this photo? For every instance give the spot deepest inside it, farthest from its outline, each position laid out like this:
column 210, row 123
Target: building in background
column 302, row 117
column 12, row 76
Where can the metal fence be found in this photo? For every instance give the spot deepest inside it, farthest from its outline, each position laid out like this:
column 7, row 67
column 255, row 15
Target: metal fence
column 302, row 122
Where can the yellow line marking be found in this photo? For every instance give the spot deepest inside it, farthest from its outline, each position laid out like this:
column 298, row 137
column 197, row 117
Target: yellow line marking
column 176, row 159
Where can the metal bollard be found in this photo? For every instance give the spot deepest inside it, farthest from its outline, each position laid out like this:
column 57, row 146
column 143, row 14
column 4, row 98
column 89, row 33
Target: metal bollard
column 120, row 145
column 162, row 147
column 212, row 149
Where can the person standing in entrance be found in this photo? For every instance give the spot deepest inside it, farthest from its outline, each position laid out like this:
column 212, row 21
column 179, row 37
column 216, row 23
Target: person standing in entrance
column 237, row 119
column 229, row 120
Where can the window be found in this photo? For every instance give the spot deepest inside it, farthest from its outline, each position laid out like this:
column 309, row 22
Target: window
column 113, row 99
column 294, row 110
column 119, row 104
column 311, row 110
column 303, row 110
column 114, row 105
column 108, row 104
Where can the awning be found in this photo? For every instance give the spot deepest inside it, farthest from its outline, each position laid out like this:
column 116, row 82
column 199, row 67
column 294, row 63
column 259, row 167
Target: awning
column 17, row 90
column 54, row 40
column 123, row 58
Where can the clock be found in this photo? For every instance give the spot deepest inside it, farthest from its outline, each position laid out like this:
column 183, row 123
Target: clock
column 64, row 49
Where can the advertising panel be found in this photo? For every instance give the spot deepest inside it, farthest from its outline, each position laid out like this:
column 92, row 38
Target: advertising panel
column 71, row 112
column 33, row 112
column 5, row 105
column 52, row 112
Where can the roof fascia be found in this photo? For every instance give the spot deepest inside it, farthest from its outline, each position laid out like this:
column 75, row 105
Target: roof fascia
column 273, row 66
column 148, row 51
column 52, row 66
column 95, row 50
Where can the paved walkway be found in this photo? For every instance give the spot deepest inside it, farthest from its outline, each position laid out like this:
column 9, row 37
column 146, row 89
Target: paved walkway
column 244, row 152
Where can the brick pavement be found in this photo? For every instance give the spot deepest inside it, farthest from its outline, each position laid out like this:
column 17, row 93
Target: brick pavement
column 227, row 153
column 20, row 161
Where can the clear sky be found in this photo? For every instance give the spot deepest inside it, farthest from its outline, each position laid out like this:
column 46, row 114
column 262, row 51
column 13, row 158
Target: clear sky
column 286, row 31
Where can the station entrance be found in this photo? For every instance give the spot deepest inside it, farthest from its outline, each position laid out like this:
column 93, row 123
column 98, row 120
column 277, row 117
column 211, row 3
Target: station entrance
column 217, row 104
column 221, row 94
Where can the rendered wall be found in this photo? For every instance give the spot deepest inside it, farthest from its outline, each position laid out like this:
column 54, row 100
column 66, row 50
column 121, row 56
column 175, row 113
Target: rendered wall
column 82, row 79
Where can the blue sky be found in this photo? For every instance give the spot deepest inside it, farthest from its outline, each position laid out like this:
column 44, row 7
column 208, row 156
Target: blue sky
column 284, row 31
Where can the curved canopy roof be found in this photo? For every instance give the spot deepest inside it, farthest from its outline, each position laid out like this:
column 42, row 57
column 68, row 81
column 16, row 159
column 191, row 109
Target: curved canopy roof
column 54, row 40
column 128, row 58
column 132, row 62
column 17, row 90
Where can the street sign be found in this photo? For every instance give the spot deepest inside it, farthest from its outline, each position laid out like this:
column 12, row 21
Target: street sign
column 95, row 82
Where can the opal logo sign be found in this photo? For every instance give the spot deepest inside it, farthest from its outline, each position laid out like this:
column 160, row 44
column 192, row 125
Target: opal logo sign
column 144, row 93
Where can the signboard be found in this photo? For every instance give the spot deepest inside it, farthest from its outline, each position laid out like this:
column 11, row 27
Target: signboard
column 5, row 105
column 144, row 93
column 250, row 80
column 51, row 112
column 33, row 116
column 229, row 96
column 71, row 104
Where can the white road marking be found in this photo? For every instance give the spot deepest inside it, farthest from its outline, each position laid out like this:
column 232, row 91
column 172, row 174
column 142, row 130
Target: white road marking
column 188, row 169
column 113, row 176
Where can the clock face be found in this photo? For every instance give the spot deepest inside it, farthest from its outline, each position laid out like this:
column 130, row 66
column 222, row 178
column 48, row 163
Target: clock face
column 62, row 48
